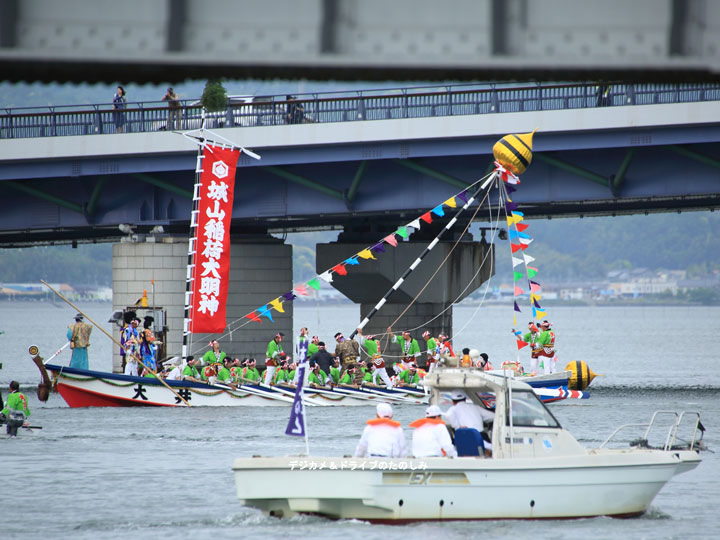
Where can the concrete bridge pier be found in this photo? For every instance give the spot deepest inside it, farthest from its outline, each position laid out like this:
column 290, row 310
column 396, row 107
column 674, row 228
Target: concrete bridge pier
column 260, row 266
column 468, row 266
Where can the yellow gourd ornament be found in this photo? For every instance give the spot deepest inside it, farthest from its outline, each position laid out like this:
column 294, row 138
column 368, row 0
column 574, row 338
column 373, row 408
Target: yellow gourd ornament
column 514, row 151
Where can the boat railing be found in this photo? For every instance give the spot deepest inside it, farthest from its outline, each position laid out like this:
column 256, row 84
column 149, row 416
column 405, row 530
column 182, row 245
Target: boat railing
column 671, row 437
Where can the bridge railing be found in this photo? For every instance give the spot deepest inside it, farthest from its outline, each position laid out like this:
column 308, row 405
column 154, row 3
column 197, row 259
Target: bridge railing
column 327, row 107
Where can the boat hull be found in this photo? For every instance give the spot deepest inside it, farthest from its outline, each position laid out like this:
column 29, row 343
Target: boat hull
column 87, row 388
column 607, row 483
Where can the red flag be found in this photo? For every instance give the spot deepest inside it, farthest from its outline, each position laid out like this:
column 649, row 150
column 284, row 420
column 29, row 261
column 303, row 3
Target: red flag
column 520, row 344
column 253, row 317
column 426, row 217
column 521, row 226
column 340, row 270
column 212, row 240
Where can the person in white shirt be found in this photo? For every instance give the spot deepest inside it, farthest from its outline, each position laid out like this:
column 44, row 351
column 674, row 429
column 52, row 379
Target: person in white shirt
column 431, row 437
column 131, row 366
column 464, row 414
column 383, row 436
column 176, row 374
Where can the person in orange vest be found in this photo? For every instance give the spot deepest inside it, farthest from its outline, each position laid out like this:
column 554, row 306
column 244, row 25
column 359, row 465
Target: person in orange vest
column 431, row 437
column 383, row 436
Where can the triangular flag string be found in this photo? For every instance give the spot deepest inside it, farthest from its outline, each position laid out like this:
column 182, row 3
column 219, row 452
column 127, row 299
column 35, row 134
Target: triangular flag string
column 367, row 254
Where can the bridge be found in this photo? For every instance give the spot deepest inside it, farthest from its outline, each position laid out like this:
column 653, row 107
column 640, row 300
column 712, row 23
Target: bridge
column 359, row 157
column 93, row 40
column 362, row 161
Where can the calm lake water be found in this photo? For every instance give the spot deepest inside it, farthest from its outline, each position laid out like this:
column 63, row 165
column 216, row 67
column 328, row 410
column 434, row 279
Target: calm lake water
column 166, row 473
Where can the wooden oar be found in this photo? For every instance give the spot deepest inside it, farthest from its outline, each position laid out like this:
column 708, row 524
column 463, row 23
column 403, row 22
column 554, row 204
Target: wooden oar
column 113, row 339
column 291, row 394
column 255, row 391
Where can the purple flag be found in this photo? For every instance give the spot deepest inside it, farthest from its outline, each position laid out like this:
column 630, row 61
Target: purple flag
column 510, row 189
column 296, row 425
column 289, row 296
column 378, row 248
column 464, row 195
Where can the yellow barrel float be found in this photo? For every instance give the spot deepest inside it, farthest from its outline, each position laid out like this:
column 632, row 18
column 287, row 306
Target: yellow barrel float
column 514, row 152
column 580, row 375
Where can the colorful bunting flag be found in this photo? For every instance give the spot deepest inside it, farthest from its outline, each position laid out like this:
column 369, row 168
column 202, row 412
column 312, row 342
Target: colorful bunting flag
column 277, row 304
column 415, row 224
column 510, row 206
column 326, row 276
column 253, row 317
column 451, row 202
column 534, row 287
column 516, row 261
column 352, row 261
column 378, row 248
column 539, row 314
column 515, row 247
column 518, row 291
column 532, row 272
column 301, row 290
column 426, row 217
column 314, row 283
column 266, row 311
column 510, row 189
column 366, row 254
column 522, row 226
column 390, row 239
column 289, row 296
column 525, row 241
column 518, row 275
column 464, row 196
column 520, row 344
column 339, row 269
column 535, row 303
column 517, row 308
column 528, row 258
column 402, row 232
column 438, row 211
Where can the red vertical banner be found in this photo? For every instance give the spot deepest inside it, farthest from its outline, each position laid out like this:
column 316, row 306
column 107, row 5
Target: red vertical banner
column 212, row 240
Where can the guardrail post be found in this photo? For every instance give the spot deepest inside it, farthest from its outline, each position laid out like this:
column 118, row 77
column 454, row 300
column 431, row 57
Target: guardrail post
column 360, row 114
column 450, row 102
column 494, row 101
column 98, row 120
column 229, row 115
column 630, row 94
column 143, row 129
column 405, row 103
column 53, row 121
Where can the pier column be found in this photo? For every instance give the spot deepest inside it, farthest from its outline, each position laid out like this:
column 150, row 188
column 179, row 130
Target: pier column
column 468, row 266
column 260, row 271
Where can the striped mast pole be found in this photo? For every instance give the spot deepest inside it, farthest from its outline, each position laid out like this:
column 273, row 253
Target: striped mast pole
column 427, row 250
column 192, row 245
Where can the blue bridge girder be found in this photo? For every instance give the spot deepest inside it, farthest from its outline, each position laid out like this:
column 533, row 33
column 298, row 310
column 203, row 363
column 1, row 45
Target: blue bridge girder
column 363, row 160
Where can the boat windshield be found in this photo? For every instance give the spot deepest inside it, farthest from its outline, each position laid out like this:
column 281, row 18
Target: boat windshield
column 529, row 411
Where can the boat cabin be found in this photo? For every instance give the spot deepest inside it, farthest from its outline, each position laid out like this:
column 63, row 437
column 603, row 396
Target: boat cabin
column 523, row 426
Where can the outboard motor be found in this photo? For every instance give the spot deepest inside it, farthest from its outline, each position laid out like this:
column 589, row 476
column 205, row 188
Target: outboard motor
column 15, row 419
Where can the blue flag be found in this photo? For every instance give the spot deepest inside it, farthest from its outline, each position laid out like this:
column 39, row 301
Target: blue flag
column 296, row 425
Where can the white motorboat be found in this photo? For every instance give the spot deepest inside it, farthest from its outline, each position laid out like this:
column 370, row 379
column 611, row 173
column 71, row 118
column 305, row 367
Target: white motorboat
column 538, row 470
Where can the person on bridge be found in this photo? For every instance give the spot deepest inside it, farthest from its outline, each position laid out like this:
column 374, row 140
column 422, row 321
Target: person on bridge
column 295, row 111
column 173, row 109
column 119, row 101
column 79, row 336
